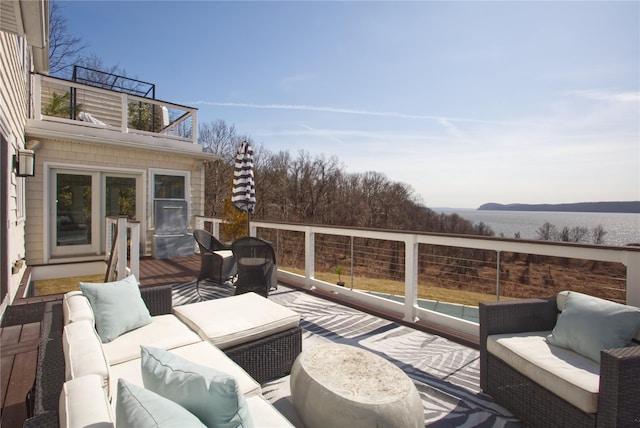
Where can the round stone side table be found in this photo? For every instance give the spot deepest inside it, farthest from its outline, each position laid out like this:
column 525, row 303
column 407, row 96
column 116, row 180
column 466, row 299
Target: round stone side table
column 342, row 386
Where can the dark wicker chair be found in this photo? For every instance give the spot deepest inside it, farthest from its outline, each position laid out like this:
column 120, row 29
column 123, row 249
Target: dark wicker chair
column 619, row 395
column 256, row 261
column 216, row 259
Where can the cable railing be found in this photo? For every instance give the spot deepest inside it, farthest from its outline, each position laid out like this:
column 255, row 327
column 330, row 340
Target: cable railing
column 406, row 274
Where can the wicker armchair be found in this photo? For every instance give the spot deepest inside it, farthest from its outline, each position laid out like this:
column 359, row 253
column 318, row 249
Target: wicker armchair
column 619, row 393
column 216, row 259
column 257, row 269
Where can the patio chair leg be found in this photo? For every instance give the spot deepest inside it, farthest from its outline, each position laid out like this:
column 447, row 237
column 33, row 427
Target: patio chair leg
column 198, row 290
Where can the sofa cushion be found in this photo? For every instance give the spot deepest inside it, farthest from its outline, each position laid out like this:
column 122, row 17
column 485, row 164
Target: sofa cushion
column 117, row 307
column 164, row 331
column 137, row 407
column 83, row 354
column 589, row 324
column 76, row 307
column 561, row 301
column 237, row 319
column 203, row 353
column 567, row 374
column 211, row 395
column 83, row 403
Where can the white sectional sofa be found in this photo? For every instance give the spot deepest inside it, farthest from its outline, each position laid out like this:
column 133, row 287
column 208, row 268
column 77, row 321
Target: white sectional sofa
column 94, row 366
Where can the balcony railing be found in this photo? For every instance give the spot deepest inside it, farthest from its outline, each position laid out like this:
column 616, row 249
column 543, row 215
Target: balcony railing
column 404, row 274
column 64, row 101
column 122, row 248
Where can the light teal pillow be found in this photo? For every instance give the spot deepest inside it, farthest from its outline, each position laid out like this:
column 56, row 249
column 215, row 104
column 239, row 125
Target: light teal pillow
column 589, row 324
column 211, row 395
column 137, row 407
column 117, row 307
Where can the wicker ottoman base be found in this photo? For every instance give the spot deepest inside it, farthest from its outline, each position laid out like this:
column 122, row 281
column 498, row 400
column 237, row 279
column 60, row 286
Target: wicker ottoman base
column 270, row 357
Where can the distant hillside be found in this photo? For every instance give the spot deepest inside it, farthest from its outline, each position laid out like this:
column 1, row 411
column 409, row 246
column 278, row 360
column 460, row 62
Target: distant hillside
column 593, row 207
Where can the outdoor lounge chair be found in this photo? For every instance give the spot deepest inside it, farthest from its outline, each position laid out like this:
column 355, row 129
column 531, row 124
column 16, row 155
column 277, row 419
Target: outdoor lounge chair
column 522, row 381
column 216, row 259
column 256, row 262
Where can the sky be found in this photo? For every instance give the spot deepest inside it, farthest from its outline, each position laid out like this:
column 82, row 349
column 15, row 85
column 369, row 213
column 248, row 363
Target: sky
column 466, row 102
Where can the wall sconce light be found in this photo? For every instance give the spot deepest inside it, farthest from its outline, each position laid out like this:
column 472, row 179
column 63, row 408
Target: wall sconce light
column 25, row 163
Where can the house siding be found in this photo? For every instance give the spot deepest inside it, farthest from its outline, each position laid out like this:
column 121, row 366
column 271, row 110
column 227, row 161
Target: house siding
column 14, row 70
column 102, row 157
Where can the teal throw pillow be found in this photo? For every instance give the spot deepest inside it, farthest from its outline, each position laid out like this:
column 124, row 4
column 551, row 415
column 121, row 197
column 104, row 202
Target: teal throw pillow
column 137, row 407
column 117, row 307
column 589, row 324
column 213, row 396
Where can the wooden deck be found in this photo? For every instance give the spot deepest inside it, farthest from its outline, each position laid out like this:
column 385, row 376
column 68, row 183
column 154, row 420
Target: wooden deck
column 21, row 326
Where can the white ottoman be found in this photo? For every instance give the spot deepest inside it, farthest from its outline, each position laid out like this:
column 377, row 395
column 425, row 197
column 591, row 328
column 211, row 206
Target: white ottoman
column 338, row 386
column 261, row 336
column 237, row 319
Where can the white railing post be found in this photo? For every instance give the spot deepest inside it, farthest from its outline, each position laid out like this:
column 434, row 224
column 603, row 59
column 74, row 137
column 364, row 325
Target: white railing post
column 194, row 126
column 632, row 262
column 122, row 247
column 124, row 128
column 108, row 234
column 134, row 249
column 37, row 96
column 410, row 278
column 309, row 256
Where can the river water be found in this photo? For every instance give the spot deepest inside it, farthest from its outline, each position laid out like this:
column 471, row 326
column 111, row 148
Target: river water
column 622, row 229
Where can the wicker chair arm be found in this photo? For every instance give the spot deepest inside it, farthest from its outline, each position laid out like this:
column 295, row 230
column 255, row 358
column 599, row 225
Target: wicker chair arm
column 158, row 299
column 517, row 316
column 512, row 317
column 619, row 387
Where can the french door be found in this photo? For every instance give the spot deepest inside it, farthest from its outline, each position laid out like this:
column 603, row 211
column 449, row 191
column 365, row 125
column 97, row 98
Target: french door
column 80, row 202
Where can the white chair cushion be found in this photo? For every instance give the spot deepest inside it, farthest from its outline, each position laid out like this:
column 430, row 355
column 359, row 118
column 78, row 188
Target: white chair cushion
column 76, row 307
column 565, row 373
column 203, row 353
column 265, row 415
column 164, row 331
column 237, row 319
column 83, row 403
column 83, row 353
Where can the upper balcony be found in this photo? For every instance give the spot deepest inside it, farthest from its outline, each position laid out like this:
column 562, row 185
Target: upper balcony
column 109, row 107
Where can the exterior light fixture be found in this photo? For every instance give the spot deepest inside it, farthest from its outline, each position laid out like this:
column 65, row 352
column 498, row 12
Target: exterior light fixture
column 25, row 163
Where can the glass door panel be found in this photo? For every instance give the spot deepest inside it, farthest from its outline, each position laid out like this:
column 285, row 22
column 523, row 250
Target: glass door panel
column 73, row 209
column 120, row 196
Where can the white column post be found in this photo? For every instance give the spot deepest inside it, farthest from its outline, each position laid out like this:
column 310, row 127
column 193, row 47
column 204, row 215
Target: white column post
column 410, row 278
column 309, row 256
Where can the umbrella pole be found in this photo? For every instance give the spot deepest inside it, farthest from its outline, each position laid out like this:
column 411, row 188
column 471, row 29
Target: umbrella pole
column 248, row 225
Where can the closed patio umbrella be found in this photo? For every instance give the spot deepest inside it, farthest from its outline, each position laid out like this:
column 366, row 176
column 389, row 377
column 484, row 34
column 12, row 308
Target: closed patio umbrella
column 244, row 191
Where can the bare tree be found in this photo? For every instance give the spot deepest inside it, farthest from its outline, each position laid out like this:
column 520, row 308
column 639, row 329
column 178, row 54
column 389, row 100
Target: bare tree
column 598, row 234
column 547, row 232
column 64, row 49
column 219, row 139
column 578, row 234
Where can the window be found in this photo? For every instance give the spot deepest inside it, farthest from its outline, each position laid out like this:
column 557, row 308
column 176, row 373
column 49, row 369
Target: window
column 169, row 186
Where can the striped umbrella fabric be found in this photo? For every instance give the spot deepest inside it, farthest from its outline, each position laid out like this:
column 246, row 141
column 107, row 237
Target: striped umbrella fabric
column 244, row 190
